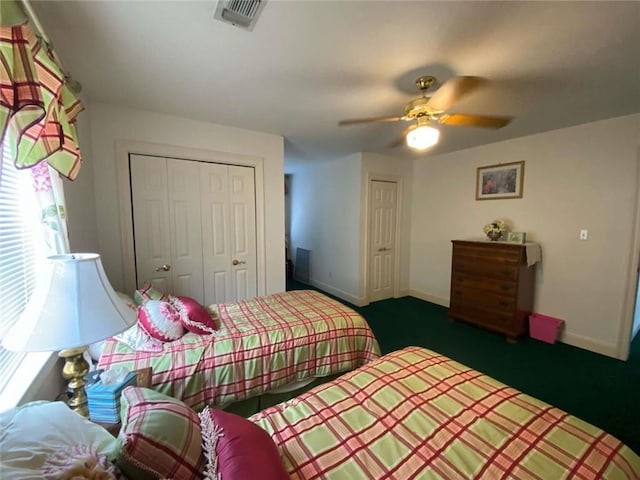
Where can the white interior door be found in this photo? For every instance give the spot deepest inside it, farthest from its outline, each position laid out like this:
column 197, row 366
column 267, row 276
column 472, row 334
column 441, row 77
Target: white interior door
column 194, row 228
column 383, row 198
column 150, row 204
column 229, row 232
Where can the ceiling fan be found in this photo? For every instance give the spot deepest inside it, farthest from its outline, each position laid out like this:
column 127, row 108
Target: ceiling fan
column 425, row 110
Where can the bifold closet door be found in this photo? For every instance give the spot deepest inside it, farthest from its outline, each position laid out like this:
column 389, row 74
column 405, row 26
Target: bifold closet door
column 228, row 232
column 167, row 224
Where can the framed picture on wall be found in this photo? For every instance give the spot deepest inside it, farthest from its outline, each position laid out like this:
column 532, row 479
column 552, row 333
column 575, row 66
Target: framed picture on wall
column 504, row 180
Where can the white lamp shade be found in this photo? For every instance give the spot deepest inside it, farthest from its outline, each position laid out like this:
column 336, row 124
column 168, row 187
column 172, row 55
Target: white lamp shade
column 423, row 137
column 73, row 305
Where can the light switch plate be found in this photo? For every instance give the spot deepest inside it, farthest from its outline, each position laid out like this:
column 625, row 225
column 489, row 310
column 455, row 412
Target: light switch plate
column 584, row 234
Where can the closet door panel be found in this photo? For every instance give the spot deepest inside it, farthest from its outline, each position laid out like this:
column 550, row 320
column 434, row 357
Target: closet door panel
column 242, row 202
column 214, row 193
column 149, row 197
column 185, row 228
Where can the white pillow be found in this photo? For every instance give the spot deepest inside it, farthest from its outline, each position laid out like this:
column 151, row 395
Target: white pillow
column 95, row 350
column 31, row 433
column 137, row 339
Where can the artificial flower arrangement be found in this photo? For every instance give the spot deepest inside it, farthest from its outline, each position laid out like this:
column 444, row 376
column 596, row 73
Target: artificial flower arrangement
column 494, row 228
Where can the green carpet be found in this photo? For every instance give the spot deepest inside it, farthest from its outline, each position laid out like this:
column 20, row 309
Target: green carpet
column 593, row 387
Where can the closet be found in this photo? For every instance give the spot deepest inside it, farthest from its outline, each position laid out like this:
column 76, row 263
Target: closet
column 194, row 227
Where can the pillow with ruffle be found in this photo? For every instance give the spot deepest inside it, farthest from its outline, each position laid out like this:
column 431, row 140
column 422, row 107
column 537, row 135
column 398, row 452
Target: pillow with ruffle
column 194, row 317
column 149, row 292
column 237, row 449
column 33, row 434
column 159, row 435
column 161, row 320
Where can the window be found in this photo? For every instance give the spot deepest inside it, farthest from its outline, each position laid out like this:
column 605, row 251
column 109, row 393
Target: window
column 21, row 248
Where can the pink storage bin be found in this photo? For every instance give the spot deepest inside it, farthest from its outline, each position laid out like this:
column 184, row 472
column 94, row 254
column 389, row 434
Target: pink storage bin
column 544, row 328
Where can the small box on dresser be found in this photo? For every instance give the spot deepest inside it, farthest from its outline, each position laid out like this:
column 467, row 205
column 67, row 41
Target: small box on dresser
column 492, row 285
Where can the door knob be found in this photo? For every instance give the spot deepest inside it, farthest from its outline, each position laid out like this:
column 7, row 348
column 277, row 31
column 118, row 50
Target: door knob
column 163, row 268
column 383, row 249
column 238, row 262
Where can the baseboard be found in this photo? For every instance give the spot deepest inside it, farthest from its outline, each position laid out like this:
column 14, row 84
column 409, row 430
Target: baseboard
column 404, row 293
column 427, row 297
column 346, row 296
column 588, row 343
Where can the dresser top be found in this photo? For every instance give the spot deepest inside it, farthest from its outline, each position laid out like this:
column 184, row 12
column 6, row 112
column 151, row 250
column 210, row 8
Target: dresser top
column 533, row 252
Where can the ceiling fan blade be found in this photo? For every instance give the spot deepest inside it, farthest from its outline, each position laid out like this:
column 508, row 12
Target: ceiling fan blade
column 369, row 120
column 465, row 120
column 452, row 91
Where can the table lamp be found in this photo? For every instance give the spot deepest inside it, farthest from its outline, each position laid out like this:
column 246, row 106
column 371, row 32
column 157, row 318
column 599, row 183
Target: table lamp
column 72, row 306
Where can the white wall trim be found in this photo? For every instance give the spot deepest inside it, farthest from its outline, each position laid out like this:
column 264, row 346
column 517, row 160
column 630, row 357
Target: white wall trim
column 357, row 301
column 369, row 177
column 628, row 307
column 125, row 147
column 588, row 343
column 405, row 292
column 579, row 341
column 444, row 302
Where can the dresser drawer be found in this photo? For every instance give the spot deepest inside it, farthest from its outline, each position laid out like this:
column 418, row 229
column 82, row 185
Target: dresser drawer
column 481, row 268
column 483, row 299
column 496, row 252
column 504, row 287
column 476, row 314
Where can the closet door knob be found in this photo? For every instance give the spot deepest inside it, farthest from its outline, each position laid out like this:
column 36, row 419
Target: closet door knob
column 163, row 268
column 238, row 262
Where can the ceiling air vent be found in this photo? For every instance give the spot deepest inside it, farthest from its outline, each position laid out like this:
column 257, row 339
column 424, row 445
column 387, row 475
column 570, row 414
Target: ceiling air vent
column 240, row 13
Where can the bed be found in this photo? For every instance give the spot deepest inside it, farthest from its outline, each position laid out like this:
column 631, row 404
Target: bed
column 416, row 414
column 263, row 344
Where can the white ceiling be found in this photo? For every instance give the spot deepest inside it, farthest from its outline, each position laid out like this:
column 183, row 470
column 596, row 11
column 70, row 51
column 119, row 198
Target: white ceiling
column 309, row 64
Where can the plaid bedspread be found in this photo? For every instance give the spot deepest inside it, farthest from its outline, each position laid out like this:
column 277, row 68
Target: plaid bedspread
column 416, row 414
column 263, row 343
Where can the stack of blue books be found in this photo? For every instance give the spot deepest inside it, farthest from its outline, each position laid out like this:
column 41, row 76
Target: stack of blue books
column 104, row 400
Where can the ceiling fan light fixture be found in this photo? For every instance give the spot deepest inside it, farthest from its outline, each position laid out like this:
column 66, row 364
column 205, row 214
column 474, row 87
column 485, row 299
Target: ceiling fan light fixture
column 422, row 137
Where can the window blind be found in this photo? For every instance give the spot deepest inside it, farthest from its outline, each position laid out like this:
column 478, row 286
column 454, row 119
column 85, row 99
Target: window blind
column 21, row 247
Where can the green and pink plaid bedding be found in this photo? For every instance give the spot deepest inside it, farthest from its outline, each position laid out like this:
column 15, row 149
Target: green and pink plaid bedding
column 415, row 414
column 263, row 343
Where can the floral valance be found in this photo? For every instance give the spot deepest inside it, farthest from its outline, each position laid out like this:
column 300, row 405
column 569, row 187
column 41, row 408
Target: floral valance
column 37, row 109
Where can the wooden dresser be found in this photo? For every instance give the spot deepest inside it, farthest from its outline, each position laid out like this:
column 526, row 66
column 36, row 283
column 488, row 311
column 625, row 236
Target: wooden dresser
column 492, row 286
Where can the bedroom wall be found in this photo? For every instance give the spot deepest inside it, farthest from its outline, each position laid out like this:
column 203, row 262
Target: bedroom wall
column 325, row 219
column 111, row 123
column 79, row 194
column 328, row 206
column 575, row 178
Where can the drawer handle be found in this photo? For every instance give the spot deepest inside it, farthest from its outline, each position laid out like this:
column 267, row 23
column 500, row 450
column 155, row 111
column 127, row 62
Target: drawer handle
column 504, row 304
column 504, row 287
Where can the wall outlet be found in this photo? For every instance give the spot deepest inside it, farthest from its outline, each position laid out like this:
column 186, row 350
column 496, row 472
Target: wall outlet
column 584, row 234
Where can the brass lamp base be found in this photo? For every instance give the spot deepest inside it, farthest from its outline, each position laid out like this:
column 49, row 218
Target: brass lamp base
column 75, row 369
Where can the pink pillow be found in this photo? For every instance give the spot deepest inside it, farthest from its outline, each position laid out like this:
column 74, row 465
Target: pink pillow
column 160, row 320
column 194, row 316
column 238, row 449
